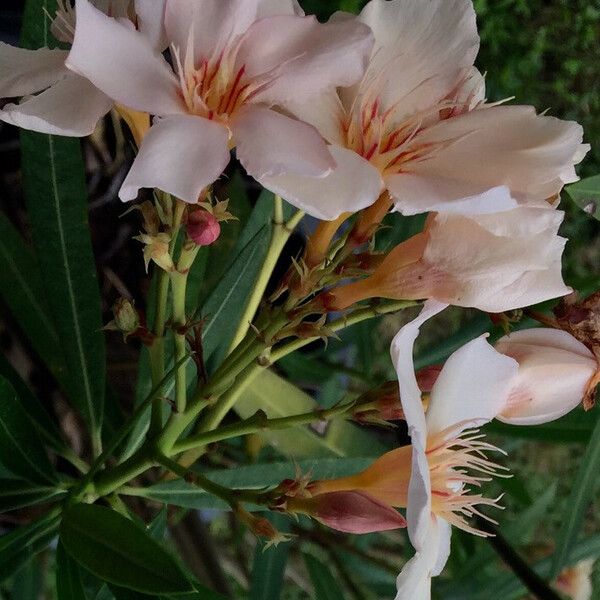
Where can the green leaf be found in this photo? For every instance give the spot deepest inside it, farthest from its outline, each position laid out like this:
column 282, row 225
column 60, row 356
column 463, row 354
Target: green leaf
column 279, row 398
column 56, row 195
column 181, row 493
column 28, row 581
column 120, row 551
column 17, row 547
column 582, row 492
column 325, row 587
column 225, row 305
column 23, row 292
column 269, row 564
column 15, row 493
column 69, row 584
column 21, row 450
column 586, row 194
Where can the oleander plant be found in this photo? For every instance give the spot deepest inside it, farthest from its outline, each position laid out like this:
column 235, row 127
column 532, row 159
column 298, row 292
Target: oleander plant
column 299, row 298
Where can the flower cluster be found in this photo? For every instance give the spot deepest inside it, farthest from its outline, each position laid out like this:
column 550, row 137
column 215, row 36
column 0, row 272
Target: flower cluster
column 347, row 121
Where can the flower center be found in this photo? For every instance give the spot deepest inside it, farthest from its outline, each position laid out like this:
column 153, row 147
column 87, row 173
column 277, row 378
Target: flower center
column 457, row 464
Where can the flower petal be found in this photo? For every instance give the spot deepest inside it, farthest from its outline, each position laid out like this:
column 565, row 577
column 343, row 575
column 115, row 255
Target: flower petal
column 28, row 71
column 269, row 8
column 402, row 357
column 180, row 155
column 504, row 145
column 418, row 508
column 353, row 185
column 414, row 194
column 269, row 144
column 303, row 57
column 472, row 388
column 122, row 63
column 211, row 23
column 71, row 107
column 151, row 21
column 421, row 48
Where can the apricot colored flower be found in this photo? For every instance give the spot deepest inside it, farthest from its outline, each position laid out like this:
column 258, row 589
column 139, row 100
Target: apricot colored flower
column 494, row 262
column 232, row 62
column 54, row 99
column 421, row 125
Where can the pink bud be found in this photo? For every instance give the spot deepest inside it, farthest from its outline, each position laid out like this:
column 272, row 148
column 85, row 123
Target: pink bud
column 203, row 228
column 350, row 512
column 556, row 372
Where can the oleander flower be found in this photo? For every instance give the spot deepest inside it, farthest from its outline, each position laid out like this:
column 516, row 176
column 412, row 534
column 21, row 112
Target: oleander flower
column 232, row 62
column 434, row 476
column 576, row 581
column 54, row 99
column 556, row 373
column 494, row 262
column 423, row 129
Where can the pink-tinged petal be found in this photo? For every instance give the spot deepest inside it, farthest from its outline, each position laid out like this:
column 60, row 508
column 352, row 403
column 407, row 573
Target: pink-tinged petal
column 151, row 21
column 402, row 357
column 270, row 8
column 269, row 144
column 414, row 581
column 505, row 145
column 211, row 23
column 353, row 185
column 555, row 370
column 472, row 388
column 71, row 107
column 354, row 512
column 180, row 155
column 122, row 63
column 28, row 71
column 300, row 57
column 414, row 194
column 420, row 49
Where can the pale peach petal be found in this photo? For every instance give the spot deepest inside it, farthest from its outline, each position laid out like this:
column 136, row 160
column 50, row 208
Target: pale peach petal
column 303, row 57
column 353, row 185
column 269, row 144
column 122, row 63
column 28, row 71
column 505, row 145
column 180, row 155
column 70, row 107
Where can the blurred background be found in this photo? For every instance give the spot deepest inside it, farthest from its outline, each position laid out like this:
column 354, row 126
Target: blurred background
column 545, row 53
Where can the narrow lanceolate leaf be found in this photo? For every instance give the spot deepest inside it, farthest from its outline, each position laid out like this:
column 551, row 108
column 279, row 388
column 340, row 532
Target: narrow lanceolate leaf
column 23, row 293
column 16, row 493
column 120, row 551
column 55, row 191
column 586, row 194
column 582, row 492
column 21, row 450
column 269, row 564
column 69, row 584
column 325, row 587
column 17, row 547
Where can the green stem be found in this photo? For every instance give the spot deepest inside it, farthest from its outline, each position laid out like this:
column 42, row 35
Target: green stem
column 256, row 424
column 279, row 237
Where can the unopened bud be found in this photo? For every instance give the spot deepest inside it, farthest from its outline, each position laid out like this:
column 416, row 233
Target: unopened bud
column 350, row 512
column 203, row 228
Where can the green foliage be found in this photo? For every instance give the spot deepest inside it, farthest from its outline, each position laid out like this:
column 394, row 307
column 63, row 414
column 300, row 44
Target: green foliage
column 325, row 586
column 119, row 551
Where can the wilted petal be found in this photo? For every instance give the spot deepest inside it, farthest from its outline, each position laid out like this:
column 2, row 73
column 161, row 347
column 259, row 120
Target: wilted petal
column 420, row 49
column 554, row 372
column 28, row 71
column 122, row 63
column 505, row 145
column 306, row 57
column 414, row 194
column 269, row 144
column 353, row 185
column 471, row 389
column 71, row 107
column 180, row 155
